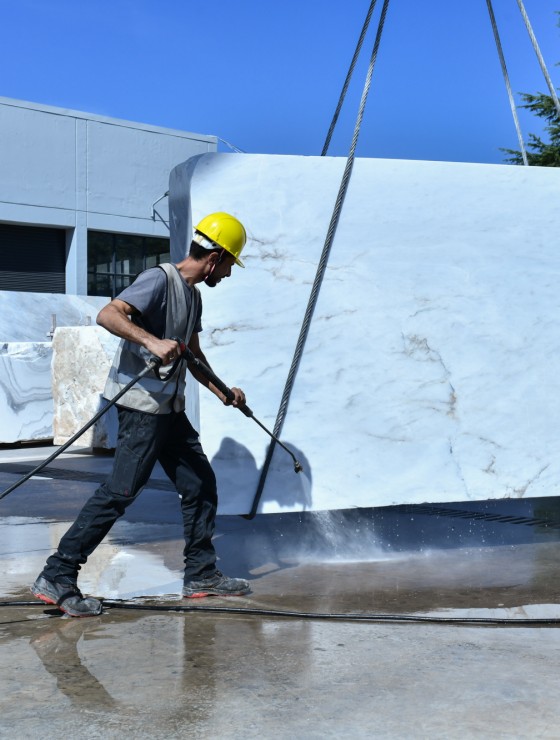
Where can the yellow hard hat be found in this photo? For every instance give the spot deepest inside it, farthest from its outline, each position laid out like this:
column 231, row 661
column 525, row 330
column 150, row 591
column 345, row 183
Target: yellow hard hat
column 224, row 231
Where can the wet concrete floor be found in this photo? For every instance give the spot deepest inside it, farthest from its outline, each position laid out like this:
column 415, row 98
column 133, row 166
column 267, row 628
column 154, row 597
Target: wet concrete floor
column 153, row 674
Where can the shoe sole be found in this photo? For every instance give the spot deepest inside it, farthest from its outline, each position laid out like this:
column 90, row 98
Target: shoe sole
column 48, row 600
column 203, row 594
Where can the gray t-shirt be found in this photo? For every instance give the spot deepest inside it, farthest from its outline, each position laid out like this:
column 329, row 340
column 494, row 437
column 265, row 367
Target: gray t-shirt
column 148, row 295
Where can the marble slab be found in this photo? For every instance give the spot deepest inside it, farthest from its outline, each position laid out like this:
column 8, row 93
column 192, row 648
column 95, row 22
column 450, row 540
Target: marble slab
column 29, row 317
column 81, row 360
column 430, row 369
column 82, row 357
column 27, row 322
column 26, row 406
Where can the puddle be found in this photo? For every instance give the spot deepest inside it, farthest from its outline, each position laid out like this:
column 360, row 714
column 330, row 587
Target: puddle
column 114, row 570
column 217, row 675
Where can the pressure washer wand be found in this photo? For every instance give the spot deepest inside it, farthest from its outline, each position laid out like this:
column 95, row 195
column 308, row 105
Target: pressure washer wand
column 153, row 364
column 228, row 393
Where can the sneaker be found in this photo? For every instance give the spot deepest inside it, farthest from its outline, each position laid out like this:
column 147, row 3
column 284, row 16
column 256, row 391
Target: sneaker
column 67, row 596
column 216, row 585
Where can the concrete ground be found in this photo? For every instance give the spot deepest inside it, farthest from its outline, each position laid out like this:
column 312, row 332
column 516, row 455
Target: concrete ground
column 150, row 674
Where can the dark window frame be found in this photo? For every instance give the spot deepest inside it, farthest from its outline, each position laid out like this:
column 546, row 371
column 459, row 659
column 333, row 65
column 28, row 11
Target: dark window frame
column 121, row 251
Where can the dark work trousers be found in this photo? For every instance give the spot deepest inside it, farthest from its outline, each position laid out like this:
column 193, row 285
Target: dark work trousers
column 144, row 439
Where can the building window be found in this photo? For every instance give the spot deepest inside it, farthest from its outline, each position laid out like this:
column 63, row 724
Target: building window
column 114, row 260
column 33, row 259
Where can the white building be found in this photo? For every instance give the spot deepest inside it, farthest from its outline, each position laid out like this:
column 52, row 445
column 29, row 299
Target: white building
column 76, row 195
column 77, row 224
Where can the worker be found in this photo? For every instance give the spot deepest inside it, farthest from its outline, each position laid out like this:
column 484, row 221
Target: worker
column 162, row 302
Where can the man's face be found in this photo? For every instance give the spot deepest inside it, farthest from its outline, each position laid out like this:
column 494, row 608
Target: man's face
column 223, row 263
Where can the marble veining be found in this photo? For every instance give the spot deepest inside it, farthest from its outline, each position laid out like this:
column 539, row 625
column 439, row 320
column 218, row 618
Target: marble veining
column 26, row 405
column 27, row 324
column 431, row 365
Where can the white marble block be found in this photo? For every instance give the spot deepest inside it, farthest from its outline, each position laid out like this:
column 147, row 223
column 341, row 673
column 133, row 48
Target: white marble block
column 431, row 368
column 29, row 317
column 82, row 357
column 26, row 408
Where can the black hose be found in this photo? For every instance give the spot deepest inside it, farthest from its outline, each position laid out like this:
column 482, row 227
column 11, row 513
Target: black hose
column 351, row 617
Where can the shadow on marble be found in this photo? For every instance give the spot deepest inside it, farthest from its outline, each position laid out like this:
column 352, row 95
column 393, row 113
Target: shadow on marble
column 238, row 479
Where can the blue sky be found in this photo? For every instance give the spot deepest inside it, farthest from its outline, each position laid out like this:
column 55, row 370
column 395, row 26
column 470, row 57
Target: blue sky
column 266, row 76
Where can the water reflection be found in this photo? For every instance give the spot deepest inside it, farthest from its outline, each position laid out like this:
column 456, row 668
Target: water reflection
column 57, row 648
column 182, row 666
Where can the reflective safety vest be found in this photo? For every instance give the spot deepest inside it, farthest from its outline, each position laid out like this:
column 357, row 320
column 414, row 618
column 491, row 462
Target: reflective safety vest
column 151, row 394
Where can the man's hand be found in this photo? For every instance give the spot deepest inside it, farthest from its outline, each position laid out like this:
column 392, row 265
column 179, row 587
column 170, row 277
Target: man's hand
column 166, row 349
column 238, row 400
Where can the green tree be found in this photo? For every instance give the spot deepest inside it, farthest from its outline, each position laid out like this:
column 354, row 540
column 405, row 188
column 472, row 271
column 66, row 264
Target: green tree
column 539, row 152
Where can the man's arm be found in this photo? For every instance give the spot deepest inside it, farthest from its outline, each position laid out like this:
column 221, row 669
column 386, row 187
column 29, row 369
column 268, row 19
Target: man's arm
column 115, row 317
column 194, row 346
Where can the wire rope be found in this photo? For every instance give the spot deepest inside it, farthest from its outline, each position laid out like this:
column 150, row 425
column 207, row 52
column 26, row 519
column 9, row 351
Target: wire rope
column 539, row 55
column 507, row 83
column 321, row 267
column 348, row 77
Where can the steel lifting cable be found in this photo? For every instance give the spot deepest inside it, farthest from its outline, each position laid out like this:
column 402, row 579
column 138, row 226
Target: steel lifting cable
column 506, row 80
column 539, row 55
column 322, row 263
column 348, row 77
